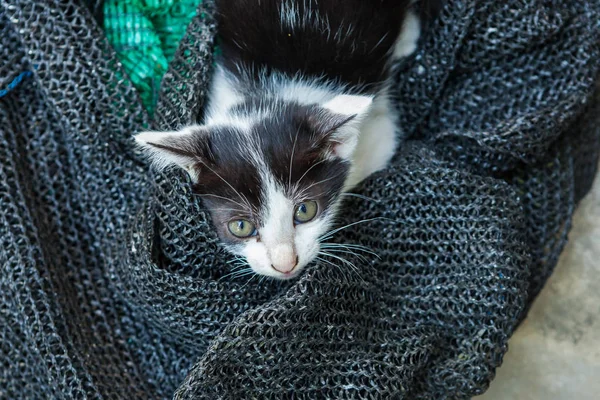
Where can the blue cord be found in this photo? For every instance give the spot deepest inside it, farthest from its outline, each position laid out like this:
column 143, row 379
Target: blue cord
column 16, row 81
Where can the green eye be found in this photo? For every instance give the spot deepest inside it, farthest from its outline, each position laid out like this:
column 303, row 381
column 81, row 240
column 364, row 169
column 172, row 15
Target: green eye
column 241, row 228
column 305, row 212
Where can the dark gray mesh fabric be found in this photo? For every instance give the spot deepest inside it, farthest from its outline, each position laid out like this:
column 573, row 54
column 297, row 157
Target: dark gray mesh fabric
column 113, row 284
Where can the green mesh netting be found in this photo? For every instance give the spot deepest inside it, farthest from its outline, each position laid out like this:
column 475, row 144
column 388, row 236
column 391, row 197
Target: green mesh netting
column 145, row 35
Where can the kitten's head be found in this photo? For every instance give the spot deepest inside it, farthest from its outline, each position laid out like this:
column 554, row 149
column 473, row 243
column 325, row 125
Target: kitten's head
column 271, row 177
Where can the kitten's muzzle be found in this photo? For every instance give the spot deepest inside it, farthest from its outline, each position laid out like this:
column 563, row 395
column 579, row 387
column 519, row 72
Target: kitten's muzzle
column 284, row 259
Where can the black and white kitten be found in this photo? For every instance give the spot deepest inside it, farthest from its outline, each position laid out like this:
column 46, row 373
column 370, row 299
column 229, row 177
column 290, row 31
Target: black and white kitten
column 298, row 113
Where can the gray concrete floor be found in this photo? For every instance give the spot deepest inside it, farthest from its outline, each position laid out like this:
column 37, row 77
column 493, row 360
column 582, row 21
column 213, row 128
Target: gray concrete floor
column 555, row 353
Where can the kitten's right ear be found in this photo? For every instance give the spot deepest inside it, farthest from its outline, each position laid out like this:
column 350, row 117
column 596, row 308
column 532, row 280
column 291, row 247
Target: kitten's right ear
column 341, row 122
column 185, row 148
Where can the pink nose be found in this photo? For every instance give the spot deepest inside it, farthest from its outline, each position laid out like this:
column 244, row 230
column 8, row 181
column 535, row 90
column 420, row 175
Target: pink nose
column 287, row 267
column 284, row 259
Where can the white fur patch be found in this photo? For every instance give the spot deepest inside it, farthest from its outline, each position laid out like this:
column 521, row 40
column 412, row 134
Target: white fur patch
column 349, row 104
column 302, row 91
column 379, row 136
column 223, row 96
column 376, row 147
column 278, row 214
column 406, row 44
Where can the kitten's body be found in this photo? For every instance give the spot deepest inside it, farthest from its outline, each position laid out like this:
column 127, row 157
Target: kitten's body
column 298, row 112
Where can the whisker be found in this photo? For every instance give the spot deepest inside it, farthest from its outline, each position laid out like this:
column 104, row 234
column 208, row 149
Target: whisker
column 243, row 273
column 349, row 247
column 243, row 198
column 308, row 170
column 340, row 259
column 353, row 267
column 292, row 157
column 303, row 193
column 219, row 197
column 333, row 232
column 249, row 280
column 235, row 263
column 378, row 43
column 322, row 181
column 339, row 267
column 226, row 276
column 229, row 209
column 330, row 263
column 238, row 267
column 359, row 256
column 237, row 272
column 360, row 196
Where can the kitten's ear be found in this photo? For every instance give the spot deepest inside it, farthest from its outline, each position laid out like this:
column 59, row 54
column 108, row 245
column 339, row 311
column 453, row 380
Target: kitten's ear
column 185, row 148
column 341, row 128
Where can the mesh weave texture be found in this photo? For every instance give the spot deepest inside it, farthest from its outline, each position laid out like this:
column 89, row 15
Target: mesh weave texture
column 111, row 278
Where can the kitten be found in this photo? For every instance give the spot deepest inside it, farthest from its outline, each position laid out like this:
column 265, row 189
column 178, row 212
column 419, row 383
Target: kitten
column 298, row 113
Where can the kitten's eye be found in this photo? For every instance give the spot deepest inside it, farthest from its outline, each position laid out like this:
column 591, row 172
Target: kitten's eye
column 242, row 228
column 305, row 211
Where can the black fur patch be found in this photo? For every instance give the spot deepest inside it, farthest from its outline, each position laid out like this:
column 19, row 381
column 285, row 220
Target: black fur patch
column 354, row 50
column 295, row 144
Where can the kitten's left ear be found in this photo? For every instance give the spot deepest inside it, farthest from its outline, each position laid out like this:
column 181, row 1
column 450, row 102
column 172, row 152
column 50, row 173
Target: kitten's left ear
column 186, row 148
column 341, row 125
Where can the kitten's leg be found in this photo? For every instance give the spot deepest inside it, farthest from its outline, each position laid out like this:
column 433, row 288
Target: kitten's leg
column 380, row 132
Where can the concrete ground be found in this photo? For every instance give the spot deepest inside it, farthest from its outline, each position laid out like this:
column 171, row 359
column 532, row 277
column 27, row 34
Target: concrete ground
column 555, row 353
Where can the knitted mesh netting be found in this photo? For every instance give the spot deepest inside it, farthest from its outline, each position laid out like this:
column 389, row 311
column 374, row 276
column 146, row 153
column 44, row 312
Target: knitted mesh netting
column 113, row 284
